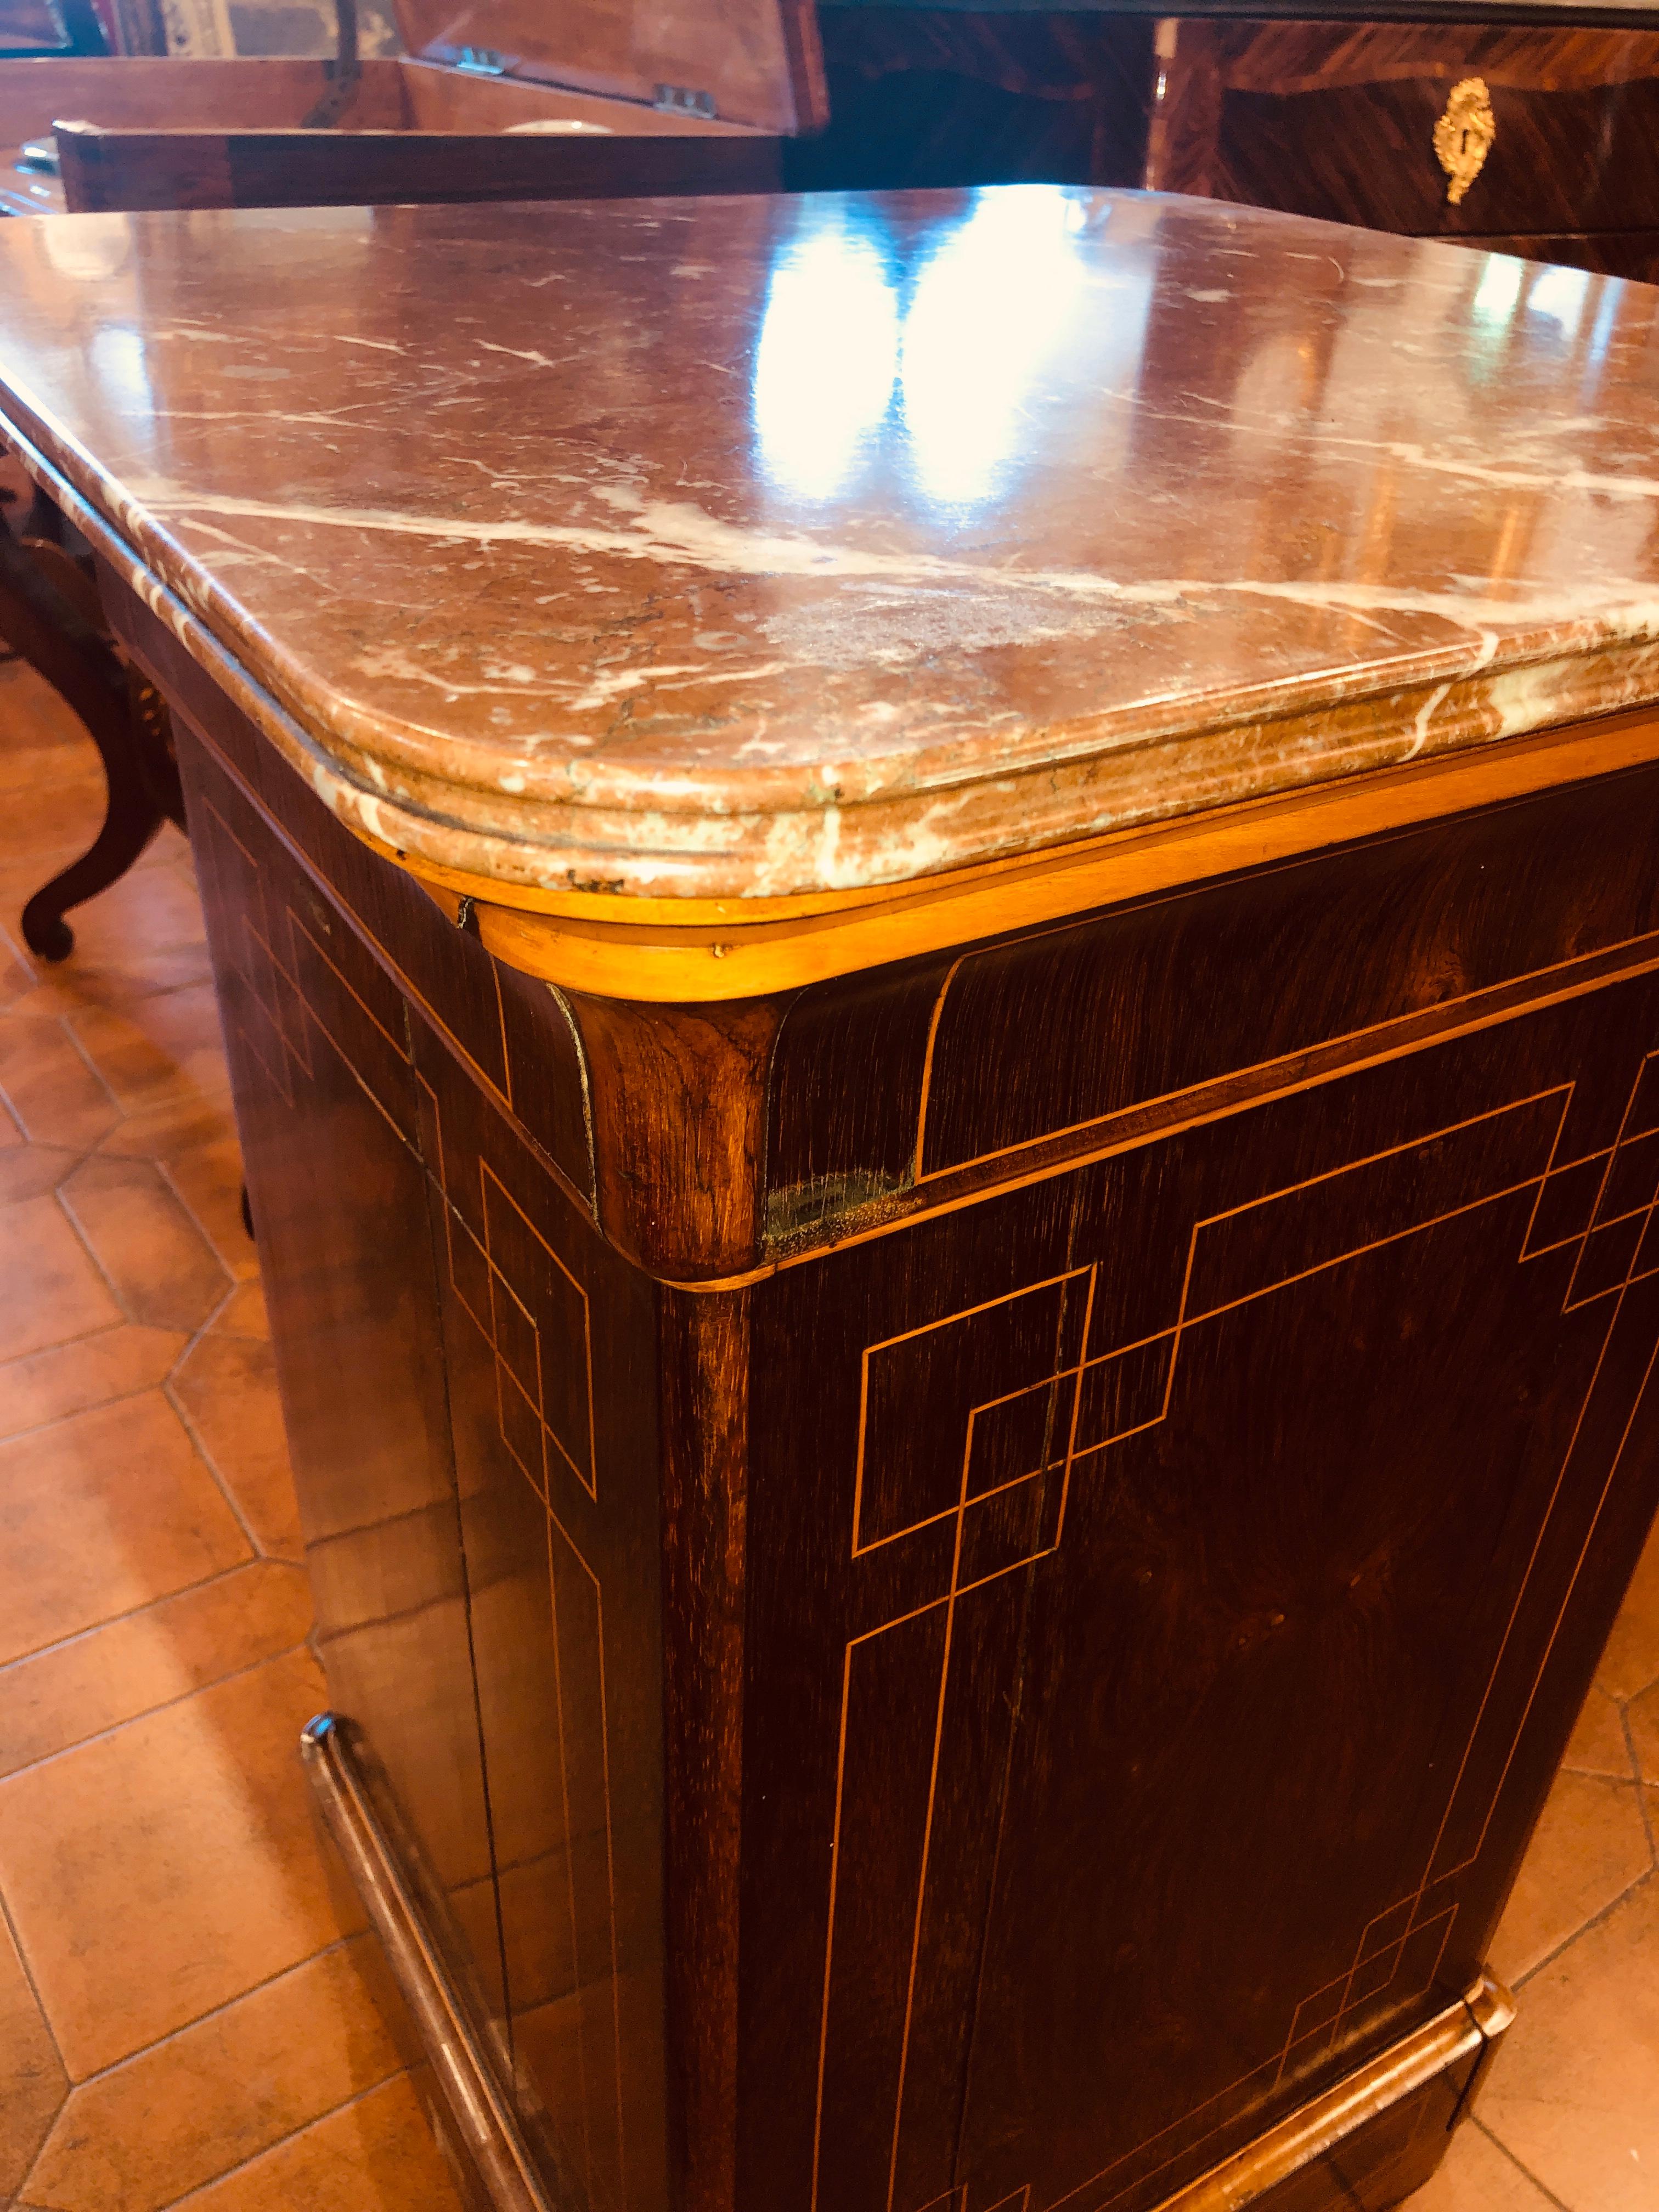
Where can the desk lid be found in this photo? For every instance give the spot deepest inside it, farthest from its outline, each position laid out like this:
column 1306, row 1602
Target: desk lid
column 786, row 545
column 743, row 61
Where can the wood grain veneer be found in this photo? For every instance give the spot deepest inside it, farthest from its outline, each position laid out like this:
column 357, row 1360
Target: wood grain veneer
column 104, row 170
column 1337, row 120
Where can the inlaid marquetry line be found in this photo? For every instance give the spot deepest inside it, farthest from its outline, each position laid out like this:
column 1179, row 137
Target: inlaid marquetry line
column 1620, row 1183
column 1316, row 1060
column 510, row 1393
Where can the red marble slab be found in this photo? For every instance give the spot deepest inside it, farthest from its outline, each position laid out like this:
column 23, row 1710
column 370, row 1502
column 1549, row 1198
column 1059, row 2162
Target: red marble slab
column 754, row 547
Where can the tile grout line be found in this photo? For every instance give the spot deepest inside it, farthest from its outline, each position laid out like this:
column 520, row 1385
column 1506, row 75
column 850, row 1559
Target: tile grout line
column 169, row 1392
column 219, row 1105
column 156, row 1169
column 81, row 1336
column 133, row 1612
column 1504, row 2151
column 93, row 1069
column 166, row 1386
column 16, row 1935
column 62, row 1203
column 167, row 1705
column 1642, row 1784
column 197, row 2019
column 281, row 2141
column 116, row 1004
column 164, row 1169
column 1594, row 1922
column 98, row 1405
column 185, row 2027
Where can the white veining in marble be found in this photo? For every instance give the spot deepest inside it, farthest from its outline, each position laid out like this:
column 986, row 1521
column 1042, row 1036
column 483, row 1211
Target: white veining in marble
column 750, row 547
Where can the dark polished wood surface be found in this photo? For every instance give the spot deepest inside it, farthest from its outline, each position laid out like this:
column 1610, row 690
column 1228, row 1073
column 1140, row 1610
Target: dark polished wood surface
column 484, row 1563
column 1338, row 120
column 121, row 169
column 1330, row 116
column 936, row 96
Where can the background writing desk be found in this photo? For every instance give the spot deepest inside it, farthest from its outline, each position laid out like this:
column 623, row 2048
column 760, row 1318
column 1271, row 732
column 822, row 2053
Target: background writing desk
column 1323, row 113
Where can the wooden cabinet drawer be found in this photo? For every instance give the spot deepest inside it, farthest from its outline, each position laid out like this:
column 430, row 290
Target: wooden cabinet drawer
column 1341, row 124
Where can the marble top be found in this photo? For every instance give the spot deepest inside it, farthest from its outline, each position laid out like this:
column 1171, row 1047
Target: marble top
column 739, row 548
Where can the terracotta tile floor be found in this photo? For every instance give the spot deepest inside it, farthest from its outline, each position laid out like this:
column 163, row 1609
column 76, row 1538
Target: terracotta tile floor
column 181, row 2012
column 182, row 2016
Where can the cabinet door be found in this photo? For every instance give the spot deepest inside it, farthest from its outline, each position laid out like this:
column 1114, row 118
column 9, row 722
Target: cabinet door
column 1175, row 1581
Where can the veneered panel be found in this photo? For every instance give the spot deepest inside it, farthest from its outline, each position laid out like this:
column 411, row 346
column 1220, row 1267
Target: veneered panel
column 112, row 171
column 548, row 1339
column 510, row 1030
column 1233, row 1720
column 1156, row 998
column 465, row 1379
column 326, row 1109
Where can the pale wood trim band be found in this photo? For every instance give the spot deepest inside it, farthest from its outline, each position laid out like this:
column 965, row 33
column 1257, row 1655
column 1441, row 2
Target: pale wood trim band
column 703, row 953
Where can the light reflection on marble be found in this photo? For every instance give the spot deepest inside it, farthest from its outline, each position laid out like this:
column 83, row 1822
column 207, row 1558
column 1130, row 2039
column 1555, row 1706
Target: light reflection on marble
column 747, row 547
column 826, row 357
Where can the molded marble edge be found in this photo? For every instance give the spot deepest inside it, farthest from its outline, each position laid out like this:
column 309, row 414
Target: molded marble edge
column 684, row 847
column 707, row 955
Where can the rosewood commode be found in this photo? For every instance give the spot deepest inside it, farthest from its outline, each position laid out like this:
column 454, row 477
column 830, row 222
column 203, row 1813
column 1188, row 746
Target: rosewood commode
column 938, row 926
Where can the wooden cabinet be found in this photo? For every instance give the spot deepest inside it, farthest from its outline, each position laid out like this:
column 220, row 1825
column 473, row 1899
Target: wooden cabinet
column 1329, row 116
column 958, row 1511
column 1340, row 120
column 1188, row 1498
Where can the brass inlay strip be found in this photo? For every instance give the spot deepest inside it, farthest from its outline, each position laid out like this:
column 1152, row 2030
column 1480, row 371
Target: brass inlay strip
column 1468, row 2029
column 479, row 2101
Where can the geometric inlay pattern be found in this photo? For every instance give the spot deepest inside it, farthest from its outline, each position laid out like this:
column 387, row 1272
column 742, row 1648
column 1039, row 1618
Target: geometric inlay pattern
column 974, row 1428
column 533, row 1314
